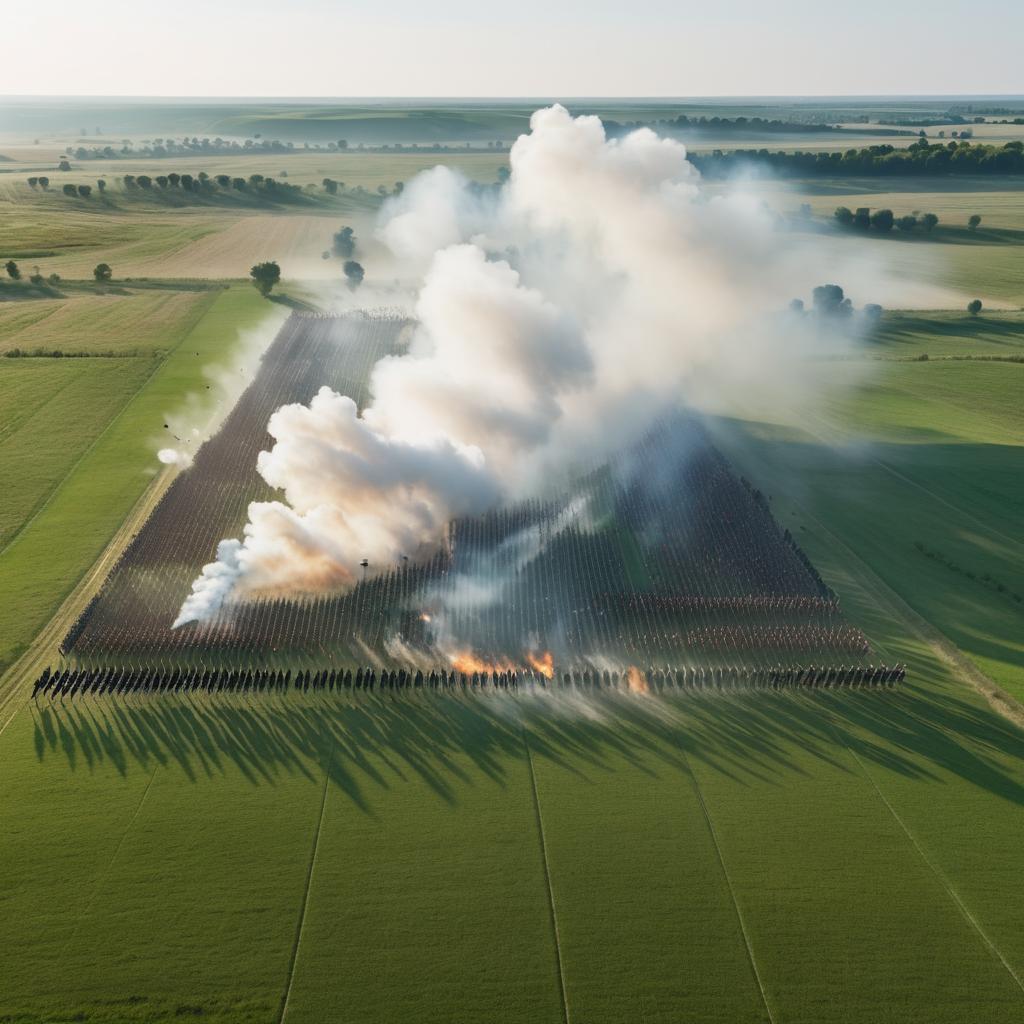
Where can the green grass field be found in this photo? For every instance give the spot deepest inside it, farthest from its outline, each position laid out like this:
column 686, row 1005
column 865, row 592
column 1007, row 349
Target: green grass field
column 714, row 857
column 101, row 433
column 785, row 858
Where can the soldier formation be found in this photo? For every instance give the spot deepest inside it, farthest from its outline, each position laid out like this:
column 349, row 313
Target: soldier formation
column 68, row 683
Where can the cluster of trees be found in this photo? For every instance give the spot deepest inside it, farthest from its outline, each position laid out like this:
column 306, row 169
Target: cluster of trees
column 829, row 300
column 193, row 146
column 202, row 183
column 885, row 220
column 920, row 158
column 682, row 123
column 14, row 273
column 101, row 272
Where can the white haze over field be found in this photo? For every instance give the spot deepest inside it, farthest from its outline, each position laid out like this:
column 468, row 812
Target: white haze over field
column 558, row 318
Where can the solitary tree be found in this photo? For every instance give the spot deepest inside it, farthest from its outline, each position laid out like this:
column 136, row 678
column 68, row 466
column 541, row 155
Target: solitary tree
column 344, row 244
column 102, row 272
column 265, row 276
column 796, row 305
column 63, row 166
column 929, row 220
column 972, row 222
column 44, row 182
column 33, row 182
column 85, row 191
column 354, row 274
column 882, row 220
column 974, row 307
column 12, row 270
column 873, row 312
column 101, row 184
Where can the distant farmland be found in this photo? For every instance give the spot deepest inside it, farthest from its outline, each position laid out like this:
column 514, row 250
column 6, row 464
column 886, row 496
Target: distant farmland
column 666, row 559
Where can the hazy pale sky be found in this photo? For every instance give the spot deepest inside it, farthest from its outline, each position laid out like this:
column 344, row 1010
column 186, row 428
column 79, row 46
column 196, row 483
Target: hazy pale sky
column 524, row 48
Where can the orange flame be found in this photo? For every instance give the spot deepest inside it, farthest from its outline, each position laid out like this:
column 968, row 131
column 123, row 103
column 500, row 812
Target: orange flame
column 542, row 663
column 636, row 680
column 468, row 663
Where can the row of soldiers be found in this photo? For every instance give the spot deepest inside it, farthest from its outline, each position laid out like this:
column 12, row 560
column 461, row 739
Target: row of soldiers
column 713, row 603
column 81, row 682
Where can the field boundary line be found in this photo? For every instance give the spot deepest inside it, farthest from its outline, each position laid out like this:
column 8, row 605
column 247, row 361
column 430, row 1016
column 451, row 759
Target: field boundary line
column 286, row 996
column 935, row 869
column 728, row 881
column 105, row 871
column 53, row 632
column 560, row 963
column 157, row 363
column 909, row 481
column 928, row 633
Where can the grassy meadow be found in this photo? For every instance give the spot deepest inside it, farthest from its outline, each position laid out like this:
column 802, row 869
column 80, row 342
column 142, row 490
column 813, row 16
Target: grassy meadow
column 776, row 857
column 779, row 857
column 68, row 496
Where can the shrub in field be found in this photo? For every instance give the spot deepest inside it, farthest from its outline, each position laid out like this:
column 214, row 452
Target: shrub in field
column 12, row 270
column 354, row 273
column 928, row 221
column 344, row 244
column 265, row 276
column 974, row 307
column 973, row 221
column 907, row 222
column 70, row 190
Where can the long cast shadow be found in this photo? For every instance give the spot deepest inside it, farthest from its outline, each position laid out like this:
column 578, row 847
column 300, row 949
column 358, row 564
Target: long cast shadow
column 370, row 743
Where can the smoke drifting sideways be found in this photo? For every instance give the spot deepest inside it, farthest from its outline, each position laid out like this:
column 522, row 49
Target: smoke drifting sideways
column 558, row 318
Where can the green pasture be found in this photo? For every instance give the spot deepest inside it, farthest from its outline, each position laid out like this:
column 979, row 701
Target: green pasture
column 85, row 485
column 919, row 471
column 785, row 857
column 118, row 321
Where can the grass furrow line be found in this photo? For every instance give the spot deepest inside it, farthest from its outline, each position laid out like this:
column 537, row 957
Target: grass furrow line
column 102, row 875
column 732, row 892
column 547, row 877
column 935, row 869
column 286, row 996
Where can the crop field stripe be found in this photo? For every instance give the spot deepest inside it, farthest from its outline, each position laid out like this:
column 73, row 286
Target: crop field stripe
column 286, row 995
column 547, row 875
column 728, row 881
column 157, row 363
column 932, row 866
column 39, row 653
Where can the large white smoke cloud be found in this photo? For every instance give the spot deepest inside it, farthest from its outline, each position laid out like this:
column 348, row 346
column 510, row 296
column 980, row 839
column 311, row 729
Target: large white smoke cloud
column 556, row 322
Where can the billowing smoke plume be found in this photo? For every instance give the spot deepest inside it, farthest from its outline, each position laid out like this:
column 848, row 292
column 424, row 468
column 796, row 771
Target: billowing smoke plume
column 557, row 320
